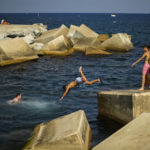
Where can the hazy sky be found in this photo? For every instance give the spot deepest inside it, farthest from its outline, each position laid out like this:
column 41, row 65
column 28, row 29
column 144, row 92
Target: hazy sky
column 79, row 6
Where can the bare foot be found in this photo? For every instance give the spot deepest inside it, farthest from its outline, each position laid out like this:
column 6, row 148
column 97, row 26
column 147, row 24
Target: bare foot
column 141, row 89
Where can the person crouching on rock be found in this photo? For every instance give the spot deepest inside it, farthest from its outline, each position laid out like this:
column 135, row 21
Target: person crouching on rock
column 146, row 66
column 76, row 82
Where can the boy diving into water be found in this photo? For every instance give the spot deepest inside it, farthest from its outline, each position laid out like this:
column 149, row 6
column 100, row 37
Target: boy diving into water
column 76, row 82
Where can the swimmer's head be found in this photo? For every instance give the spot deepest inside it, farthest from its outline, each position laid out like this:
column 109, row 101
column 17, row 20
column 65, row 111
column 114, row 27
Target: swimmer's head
column 18, row 95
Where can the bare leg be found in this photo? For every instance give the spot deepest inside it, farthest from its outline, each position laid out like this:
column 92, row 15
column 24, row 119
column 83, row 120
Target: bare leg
column 91, row 82
column 82, row 75
column 143, row 83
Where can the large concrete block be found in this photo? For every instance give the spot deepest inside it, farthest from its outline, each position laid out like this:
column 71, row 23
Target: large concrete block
column 52, row 34
column 61, row 43
column 133, row 136
column 118, row 42
column 86, row 31
column 85, row 43
column 76, row 33
column 46, row 36
column 63, row 30
column 15, row 51
column 70, row 132
column 123, row 105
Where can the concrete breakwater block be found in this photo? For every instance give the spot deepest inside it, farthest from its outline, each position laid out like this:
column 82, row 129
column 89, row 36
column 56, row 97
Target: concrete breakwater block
column 22, row 30
column 52, row 34
column 93, row 51
column 15, row 51
column 118, row 42
column 70, row 132
column 59, row 44
column 123, row 105
column 77, row 33
column 46, row 36
column 133, row 136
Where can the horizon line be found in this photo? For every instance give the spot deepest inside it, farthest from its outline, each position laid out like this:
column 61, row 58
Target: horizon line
column 74, row 13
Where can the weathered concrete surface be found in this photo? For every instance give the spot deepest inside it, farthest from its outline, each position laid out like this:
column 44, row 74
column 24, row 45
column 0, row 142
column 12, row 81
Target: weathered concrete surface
column 15, row 51
column 61, row 43
column 70, row 132
column 52, row 34
column 103, row 37
column 94, row 51
column 22, row 30
column 46, row 36
column 58, row 53
column 133, row 136
column 118, row 42
column 87, row 32
column 85, row 43
column 123, row 105
column 74, row 34
column 38, row 48
column 77, row 33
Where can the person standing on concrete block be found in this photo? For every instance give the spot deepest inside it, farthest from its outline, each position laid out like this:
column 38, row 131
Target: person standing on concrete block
column 146, row 66
column 76, row 82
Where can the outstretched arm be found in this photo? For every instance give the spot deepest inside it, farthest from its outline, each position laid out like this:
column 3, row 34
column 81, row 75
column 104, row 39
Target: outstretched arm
column 65, row 93
column 82, row 75
column 139, row 60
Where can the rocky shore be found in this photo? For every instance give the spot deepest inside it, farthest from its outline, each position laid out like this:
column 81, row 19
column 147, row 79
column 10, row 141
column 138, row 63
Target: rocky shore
column 19, row 43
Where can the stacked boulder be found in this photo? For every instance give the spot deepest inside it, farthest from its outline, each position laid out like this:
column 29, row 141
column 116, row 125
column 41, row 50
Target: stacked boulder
column 64, row 41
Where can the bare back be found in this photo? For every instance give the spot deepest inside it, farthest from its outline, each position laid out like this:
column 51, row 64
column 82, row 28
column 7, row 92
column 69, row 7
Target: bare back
column 147, row 59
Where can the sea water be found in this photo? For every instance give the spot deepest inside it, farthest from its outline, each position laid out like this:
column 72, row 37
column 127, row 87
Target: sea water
column 40, row 82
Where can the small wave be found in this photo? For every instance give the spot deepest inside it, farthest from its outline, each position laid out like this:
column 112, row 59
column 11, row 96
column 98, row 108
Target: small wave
column 38, row 104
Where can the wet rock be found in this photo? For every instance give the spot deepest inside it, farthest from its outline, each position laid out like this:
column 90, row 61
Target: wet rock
column 15, row 51
column 95, row 51
column 58, row 53
column 118, row 42
column 70, row 132
column 133, row 136
column 123, row 105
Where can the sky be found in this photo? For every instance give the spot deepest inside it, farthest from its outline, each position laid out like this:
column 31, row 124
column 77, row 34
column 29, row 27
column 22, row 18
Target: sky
column 75, row 6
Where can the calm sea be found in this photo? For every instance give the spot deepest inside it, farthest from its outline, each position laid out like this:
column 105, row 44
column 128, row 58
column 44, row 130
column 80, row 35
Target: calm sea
column 41, row 81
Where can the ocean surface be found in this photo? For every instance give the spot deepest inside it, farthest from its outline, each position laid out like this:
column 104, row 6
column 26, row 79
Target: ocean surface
column 40, row 82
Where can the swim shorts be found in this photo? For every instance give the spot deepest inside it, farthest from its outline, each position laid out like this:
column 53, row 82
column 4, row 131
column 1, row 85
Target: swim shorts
column 146, row 69
column 79, row 80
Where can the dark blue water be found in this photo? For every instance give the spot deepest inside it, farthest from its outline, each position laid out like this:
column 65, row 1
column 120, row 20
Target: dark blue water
column 41, row 81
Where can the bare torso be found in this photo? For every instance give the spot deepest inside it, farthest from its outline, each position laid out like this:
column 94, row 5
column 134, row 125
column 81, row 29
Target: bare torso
column 72, row 84
column 147, row 59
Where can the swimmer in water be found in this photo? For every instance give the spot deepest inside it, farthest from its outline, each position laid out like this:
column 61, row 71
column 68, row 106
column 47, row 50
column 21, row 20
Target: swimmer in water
column 76, row 82
column 17, row 98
